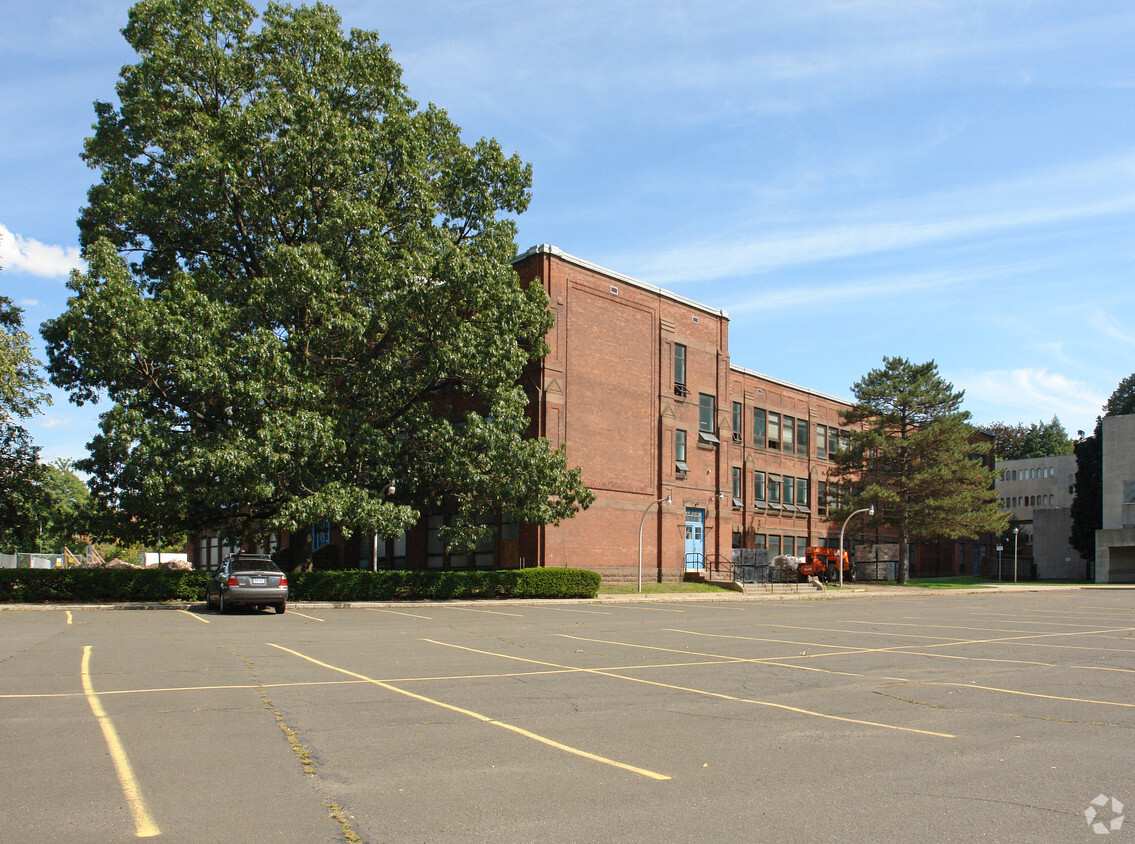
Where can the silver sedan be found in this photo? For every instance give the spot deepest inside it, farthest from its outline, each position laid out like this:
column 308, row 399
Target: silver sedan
column 247, row 579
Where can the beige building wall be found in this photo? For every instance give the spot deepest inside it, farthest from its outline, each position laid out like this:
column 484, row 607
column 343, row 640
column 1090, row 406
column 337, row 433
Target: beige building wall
column 1115, row 544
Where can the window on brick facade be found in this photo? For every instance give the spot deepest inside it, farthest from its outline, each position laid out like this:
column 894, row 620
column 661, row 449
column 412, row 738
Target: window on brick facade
column 833, row 442
column 844, row 441
column 773, row 546
column 737, row 422
column 821, row 442
column 758, row 487
column 789, row 491
column 680, row 452
column 822, row 498
column 705, row 413
column 774, row 489
column 802, row 437
column 435, row 548
column 801, row 492
column 680, row 369
column 801, row 546
column 760, row 426
column 773, row 430
column 738, row 501
column 787, row 430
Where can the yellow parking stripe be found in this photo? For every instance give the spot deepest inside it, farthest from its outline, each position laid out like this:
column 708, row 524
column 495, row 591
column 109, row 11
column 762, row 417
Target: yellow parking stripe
column 68, row 615
column 772, row 660
column 397, row 612
column 486, row 612
column 703, row 692
column 312, row 617
column 194, row 615
column 1032, row 694
column 144, row 826
column 476, row 715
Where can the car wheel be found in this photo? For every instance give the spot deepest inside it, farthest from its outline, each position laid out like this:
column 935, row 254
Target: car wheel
column 280, row 607
column 222, row 607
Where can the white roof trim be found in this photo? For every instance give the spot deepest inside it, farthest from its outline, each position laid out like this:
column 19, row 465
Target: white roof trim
column 548, row 249
column 788, row 384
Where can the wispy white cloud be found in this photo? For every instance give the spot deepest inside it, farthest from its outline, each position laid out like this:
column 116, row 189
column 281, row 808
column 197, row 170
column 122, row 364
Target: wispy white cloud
column 854, row 290
column 1107, row 325
column 1034, row 393
column 1066, row 195
column 24, row 254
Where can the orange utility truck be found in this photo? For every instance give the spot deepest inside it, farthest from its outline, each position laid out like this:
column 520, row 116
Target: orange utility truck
column 825, row 563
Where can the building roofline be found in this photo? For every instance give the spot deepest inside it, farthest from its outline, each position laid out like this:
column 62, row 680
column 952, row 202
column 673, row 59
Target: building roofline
column 781, row 382
column 548, row 249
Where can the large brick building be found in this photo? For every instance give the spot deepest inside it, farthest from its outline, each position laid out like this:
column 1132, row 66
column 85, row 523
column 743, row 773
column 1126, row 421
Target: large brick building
column 639, row 389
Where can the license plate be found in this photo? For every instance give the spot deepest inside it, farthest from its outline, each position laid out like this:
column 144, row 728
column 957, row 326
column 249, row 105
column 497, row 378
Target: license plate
column 258, row 581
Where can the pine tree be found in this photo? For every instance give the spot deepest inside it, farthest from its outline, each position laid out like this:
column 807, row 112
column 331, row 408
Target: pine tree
column 912, row 454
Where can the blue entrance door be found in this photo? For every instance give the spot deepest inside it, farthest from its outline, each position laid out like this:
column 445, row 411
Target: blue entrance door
column 695, row 538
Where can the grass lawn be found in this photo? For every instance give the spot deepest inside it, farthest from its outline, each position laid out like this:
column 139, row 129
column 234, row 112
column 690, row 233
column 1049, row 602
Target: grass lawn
column 658, row 588
column 952, row 582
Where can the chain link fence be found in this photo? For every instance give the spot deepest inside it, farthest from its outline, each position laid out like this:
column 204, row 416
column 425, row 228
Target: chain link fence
column 31, row 560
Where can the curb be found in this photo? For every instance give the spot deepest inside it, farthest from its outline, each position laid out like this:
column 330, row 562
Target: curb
column 629, row 598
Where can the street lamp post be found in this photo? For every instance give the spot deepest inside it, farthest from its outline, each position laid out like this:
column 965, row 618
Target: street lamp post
column 870, row 511
column 641, row 522
column 1015, row 532
column 387, row 490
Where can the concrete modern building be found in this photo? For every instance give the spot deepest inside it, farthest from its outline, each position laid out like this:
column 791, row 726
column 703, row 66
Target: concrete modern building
column 1037, row 492
column 1115, row 543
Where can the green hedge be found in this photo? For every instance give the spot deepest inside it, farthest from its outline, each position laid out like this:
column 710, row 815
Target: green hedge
column 99, row 586
column 94, row 586
column 440, row 585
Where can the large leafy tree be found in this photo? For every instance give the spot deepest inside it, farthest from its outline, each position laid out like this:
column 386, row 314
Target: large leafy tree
column 21, row 395
column 1038, row 439
column 914, row 456
column 1087, row 505
column 65, row 514
column 299, row 290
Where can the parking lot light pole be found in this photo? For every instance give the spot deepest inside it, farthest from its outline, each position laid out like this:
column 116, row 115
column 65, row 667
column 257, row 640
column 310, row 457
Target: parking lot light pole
column 1015, row 532
column 999, row 548
column 641, row 522
column 871, row 512
column 387, row 490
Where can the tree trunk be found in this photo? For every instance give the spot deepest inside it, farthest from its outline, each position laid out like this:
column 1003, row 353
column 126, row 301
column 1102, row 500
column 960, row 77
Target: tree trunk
column 902, row 567
column 299, row 550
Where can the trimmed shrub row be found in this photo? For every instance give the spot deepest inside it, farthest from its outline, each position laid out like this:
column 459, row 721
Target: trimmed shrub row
column 441, row 585
column 99, row 586
column 94, row 586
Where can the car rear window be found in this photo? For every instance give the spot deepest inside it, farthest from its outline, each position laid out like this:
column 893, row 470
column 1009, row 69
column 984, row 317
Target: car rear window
column 253, row 565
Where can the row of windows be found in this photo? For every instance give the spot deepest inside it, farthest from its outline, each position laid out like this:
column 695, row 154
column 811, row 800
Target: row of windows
column 770, row 428
column 483, row 555
column 1028, row 501
column 776, row 545
column 212, row 550
column 786, row 493
column 1028, row 474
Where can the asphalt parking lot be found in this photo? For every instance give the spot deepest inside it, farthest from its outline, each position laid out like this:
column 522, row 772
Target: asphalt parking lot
column 928, row 717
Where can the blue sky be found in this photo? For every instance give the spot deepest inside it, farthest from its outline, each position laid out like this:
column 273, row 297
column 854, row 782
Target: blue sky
column 852, row 179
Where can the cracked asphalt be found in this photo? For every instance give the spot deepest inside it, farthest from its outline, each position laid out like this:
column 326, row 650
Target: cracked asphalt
column 994, row 716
